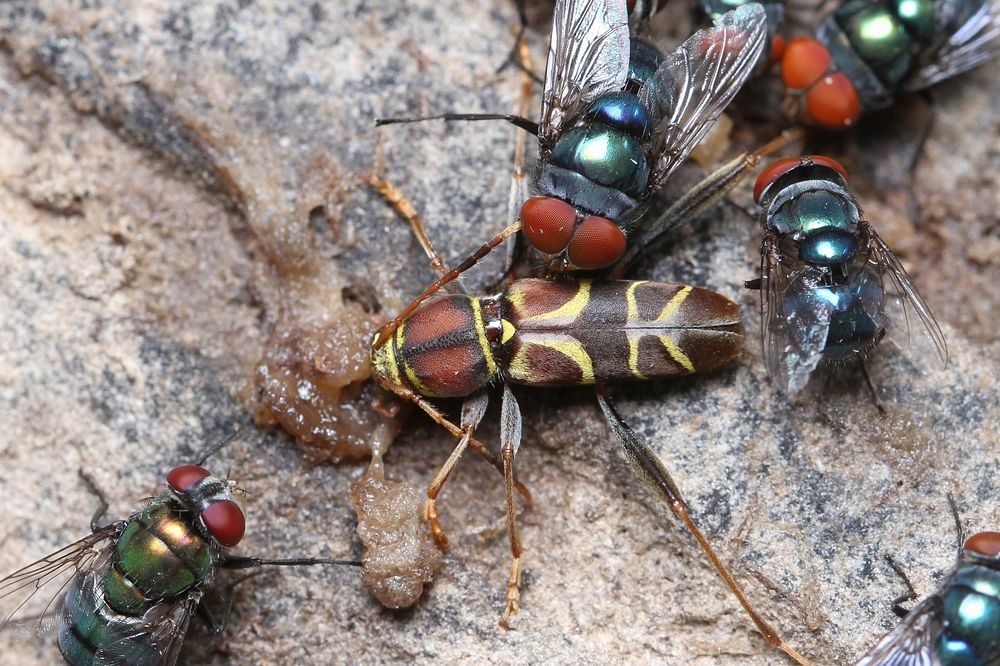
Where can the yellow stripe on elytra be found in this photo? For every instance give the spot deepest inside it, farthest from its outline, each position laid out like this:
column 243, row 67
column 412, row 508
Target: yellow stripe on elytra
column 520, row 367
column 633, row 341
column 676, row 353
column 577, row 354
column 484, row 343
column 571, row 309
column 674, row 304
column 410, row 374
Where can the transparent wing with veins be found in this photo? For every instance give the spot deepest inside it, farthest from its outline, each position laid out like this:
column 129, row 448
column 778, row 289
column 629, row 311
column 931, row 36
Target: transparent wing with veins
column 696, row 82
column 906, row 310
column 588, row 57
column 30, row 594
column 912, row 642
column 793, row 337
column 971, row 44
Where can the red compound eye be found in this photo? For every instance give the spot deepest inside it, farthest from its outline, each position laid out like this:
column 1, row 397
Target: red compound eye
column 547, row 223
column 777, row 50
column 597, row 243
column 772, row 173
column 804, row 62
column 780, row 167
column 833, row 102
column 830, row 162
column 225, row 522
column 183, row 477
column 986, row 544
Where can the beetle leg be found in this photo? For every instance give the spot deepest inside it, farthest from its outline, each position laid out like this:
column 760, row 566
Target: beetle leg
column 473, row 410
column 408, row 212
column 438, row 417
column 448, row 277
column 510, row 442
column 647, row 465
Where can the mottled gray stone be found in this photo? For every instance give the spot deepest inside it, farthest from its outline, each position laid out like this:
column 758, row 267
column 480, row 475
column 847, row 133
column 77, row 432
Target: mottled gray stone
column 154, row 157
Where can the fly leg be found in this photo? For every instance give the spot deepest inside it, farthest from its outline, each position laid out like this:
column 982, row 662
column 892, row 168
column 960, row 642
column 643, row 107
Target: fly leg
column 871, row 386
column 510, row 442
column 959, row 531
column 518, row 52
column 217, row 626
column 526, row 124
column 102, row 506
column 918, row 151
column 701, row 198
column 647, row 465
column 522, row 20
column 473, row 410
column 911, row 594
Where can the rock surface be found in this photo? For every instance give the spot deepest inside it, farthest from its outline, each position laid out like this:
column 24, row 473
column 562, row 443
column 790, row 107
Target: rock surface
column 158, row 162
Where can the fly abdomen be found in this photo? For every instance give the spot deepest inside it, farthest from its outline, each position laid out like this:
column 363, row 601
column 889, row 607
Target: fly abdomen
column 92, row 632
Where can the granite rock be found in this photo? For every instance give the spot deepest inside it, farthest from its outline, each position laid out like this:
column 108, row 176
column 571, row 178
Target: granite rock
column 159, row 160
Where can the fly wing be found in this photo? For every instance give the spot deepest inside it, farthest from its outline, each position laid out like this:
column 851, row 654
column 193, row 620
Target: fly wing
column 912, row 642
column 793, row 336
column 975, row 41
column 20, row 601
column 697, row 81
column 588, row 56
column 155, row 638
column 905, row 308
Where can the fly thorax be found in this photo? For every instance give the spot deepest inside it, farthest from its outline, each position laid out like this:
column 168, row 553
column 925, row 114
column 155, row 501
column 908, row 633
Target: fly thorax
column 643, row 61
column 604, row 154
column 886, row 38
column 162, row 553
